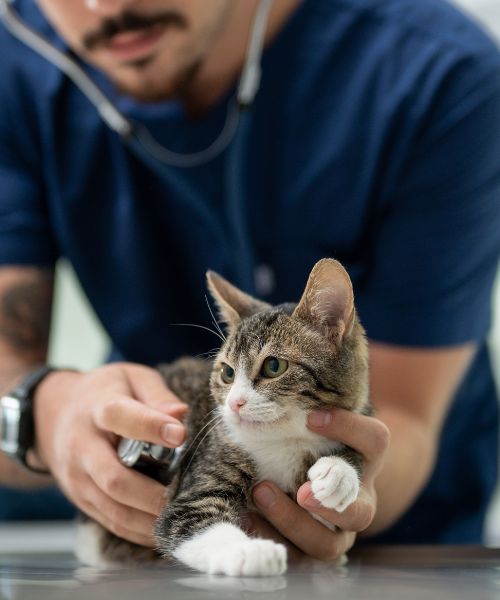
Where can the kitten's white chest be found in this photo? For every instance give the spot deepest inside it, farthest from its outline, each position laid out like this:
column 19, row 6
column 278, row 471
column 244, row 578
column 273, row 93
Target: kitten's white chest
column 282, row 461
column 280, row 451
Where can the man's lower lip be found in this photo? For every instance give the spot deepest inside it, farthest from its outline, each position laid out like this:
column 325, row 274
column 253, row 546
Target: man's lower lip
column 134, row 45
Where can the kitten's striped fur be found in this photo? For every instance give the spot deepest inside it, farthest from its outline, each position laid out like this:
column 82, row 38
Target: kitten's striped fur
column 228, row 450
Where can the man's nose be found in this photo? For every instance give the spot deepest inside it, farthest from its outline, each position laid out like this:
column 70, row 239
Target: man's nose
column 107, row 8
column 236, row 403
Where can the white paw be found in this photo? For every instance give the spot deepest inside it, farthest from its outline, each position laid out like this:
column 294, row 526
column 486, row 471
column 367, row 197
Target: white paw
column 252, row 557
column 334, row 482
column 89, row 544
column 225, row 549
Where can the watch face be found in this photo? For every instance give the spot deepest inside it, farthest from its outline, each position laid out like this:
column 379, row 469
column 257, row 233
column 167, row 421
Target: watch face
column 10, row 418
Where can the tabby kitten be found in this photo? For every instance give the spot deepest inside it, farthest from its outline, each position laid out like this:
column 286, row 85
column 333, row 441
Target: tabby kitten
column 248, row 423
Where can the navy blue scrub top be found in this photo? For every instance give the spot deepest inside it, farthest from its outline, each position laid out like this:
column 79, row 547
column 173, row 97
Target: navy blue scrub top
column 375, row 139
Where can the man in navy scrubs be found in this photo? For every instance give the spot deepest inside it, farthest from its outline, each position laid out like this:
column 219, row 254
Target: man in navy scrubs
column 374, row 139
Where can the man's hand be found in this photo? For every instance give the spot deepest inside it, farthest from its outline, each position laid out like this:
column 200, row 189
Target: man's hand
column 79, row 418
column 293, row 521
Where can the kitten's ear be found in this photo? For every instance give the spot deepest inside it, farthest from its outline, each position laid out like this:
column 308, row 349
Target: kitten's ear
column 233, row 304
column 328, row 300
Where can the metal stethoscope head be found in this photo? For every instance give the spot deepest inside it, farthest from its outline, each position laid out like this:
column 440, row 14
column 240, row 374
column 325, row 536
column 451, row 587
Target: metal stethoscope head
column 245, row 95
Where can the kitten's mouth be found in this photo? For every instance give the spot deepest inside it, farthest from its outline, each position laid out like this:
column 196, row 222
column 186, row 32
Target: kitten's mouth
column 250, row 423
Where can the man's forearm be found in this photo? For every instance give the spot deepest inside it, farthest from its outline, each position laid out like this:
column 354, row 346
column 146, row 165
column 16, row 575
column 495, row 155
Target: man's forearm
column 25, row 305
column 407, row 468
column 412, row 390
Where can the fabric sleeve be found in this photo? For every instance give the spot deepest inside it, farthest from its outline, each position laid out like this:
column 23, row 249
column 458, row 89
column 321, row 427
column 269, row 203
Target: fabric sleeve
column 25, row 231
column 436, row 243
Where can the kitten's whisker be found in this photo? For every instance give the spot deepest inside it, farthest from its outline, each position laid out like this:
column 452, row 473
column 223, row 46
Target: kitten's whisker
column 203, row 428
column 202, row 439
column 201, row 327
column 214, row 320
column 258, row 338
column 209, row 353
column 210, row 412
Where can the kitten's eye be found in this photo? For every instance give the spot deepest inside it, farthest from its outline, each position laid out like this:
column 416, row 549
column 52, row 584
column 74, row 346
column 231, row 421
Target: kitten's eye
column 227, row 373
column 273, row 367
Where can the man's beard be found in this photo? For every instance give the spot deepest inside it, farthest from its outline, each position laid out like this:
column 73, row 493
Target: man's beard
column 156, row 89
column 139, row 85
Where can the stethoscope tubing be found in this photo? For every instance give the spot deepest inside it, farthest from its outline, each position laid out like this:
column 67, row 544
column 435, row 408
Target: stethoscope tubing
column 157, row 157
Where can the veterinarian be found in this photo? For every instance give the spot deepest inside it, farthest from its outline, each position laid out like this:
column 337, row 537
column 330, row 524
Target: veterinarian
column 371, row 135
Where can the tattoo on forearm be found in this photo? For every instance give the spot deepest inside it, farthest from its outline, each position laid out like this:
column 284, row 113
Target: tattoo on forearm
column 25, row 314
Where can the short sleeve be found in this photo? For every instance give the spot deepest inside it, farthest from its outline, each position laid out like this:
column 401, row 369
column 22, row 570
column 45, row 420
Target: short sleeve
column 436, row 243
column 25, row 232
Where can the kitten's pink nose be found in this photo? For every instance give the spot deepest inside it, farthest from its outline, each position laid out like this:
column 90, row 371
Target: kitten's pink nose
column 236, row 403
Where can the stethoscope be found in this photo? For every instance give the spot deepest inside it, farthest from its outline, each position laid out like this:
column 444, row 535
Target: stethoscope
column 156, row 156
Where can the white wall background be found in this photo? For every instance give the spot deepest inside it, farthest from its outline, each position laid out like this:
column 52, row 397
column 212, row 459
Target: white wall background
column 486, row 12
column 77, row 338
column 79, row 341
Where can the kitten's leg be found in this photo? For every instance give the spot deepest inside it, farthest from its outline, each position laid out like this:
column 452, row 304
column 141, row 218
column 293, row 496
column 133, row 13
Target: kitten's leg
column 335, row 480
column 97, row 547
column 223, row 548
column 200, row 528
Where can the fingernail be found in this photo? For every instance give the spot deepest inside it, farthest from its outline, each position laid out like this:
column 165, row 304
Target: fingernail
column 319, row 418
column 311, row 502
column 264, row 496
column 172, row 433
column 173, row 406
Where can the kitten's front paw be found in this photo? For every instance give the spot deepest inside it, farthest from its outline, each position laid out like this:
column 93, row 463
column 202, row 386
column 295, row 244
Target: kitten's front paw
column 225, row 549
column 252, row 557
column 334, row 482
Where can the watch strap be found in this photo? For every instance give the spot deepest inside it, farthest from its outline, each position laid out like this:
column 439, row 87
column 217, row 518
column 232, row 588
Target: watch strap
column 28, row 385
column 24, row 392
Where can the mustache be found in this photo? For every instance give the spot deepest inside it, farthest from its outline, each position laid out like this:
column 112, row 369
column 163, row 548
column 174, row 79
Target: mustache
column 128, row 22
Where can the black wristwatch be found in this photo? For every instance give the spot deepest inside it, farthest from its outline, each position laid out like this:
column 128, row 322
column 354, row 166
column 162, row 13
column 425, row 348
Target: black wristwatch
column 17, row 428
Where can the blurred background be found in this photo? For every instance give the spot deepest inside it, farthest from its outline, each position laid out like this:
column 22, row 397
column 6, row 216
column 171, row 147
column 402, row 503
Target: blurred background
column 79, row 341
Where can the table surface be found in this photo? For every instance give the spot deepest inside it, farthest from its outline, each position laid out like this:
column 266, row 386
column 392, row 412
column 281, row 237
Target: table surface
column 412, row 572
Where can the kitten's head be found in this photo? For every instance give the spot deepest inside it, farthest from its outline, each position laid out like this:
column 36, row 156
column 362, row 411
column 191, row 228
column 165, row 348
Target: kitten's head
column 280, row 362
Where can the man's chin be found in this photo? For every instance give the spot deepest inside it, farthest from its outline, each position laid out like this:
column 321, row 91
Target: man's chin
column 142, row 81
column 145, row 92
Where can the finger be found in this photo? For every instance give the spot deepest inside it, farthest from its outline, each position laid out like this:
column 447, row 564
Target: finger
column 121, row 532
column 150, row 388
column 356, row 517
column 128, row 418
column 257, row 526
column 122, row 484
column 125, row 522
column 176, row 409
column 297, row 525
column 367, row 435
